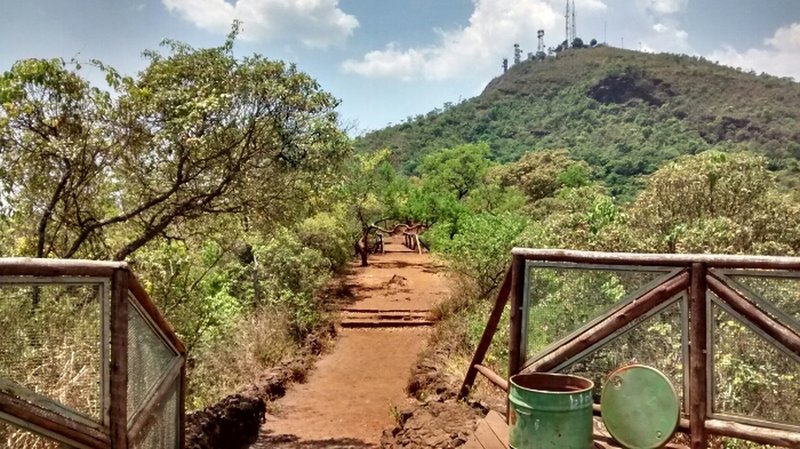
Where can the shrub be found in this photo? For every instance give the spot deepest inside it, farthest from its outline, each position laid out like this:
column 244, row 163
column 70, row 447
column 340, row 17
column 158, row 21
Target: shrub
column 479, row 253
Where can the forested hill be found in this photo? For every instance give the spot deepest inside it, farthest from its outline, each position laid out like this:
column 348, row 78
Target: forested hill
column 623, row 112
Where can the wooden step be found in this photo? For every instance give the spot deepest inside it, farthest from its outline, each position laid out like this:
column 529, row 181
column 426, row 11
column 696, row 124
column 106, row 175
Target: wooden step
column 367, row 323
column 363, row 310
column 355, row 317
column 387, row 316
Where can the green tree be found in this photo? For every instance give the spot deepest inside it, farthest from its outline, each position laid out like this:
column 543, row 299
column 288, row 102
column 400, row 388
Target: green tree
column 479, row 253
column 716, row 202
column 197, row 132
column 57, row 142
column 375, row 194
column 458, row 169
column 539, row 174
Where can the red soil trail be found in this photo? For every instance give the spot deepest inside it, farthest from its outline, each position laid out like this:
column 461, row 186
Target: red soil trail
column 349, row 396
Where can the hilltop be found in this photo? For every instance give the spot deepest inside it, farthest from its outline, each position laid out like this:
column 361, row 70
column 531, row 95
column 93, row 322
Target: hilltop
column 624, row 112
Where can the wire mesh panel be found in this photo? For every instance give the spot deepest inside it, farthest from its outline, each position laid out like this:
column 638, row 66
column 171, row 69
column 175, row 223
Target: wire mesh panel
column 752, row 377
column 656, row 341
column 777, row 293
column 161, row 431
column 563, row 300
column 15, row 437
column 149, row 358
column 50, row 344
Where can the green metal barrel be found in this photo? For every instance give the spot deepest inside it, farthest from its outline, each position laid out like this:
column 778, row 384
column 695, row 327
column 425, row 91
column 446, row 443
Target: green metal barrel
column 550, row 411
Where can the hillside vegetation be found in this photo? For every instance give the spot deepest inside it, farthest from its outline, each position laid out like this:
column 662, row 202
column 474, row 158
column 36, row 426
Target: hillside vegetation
column 623, row 112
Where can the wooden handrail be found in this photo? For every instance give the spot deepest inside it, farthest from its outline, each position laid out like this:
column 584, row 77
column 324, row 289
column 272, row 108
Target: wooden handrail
column 30, row 266
column 488, row 334
column 492, row 376
column 755, row 434
column 646, row 259
column 698, row 276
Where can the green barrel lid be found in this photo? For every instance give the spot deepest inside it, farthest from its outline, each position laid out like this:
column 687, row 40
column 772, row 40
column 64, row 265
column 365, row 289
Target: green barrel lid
column 640, row 407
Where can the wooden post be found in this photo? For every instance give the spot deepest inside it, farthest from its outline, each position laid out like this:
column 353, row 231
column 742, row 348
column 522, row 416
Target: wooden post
column 486, row 338
column 118, row 413
column 182, row 406
column 698, row 358
column 515, row 317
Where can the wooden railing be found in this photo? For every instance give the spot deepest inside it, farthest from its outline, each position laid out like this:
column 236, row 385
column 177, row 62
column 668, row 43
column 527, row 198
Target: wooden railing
column 116, row 334
column 411, row 241
column 701, row 288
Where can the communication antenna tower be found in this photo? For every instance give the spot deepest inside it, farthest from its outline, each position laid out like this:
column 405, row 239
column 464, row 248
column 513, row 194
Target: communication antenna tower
column 505, row 65
column 540, row 35
column 574, row 34
column 517, row 54
column 567, row 27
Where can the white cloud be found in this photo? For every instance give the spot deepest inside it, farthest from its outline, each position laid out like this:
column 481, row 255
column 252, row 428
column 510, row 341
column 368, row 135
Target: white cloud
column 786, row 38
column 493, row 28
column 671, row 32
column 315, row 23
column 661, row 7
column 779, row 56
column 662, row 31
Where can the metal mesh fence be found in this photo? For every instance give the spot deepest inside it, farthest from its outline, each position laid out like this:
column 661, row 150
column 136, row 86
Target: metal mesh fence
column 149, row 358
column 50, row 344
column 778, row 296
column 162, row 430
column 562, row 300
column 654, row 341
column 752, row 377
column 13, row 437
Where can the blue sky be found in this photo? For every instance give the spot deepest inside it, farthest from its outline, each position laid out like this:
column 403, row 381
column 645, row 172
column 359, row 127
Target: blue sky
column 387, row 60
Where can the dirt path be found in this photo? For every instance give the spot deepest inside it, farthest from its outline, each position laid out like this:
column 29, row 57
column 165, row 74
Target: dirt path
column 349, row 397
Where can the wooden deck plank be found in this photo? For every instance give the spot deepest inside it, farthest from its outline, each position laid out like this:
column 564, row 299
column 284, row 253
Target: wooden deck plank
column 473, row 443
column 499, row 426
column 492, row 433
column 486, row 436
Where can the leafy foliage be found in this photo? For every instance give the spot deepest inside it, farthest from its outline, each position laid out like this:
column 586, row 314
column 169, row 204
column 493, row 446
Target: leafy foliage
column 90, row 176
column 218, row 179
column 717, row 202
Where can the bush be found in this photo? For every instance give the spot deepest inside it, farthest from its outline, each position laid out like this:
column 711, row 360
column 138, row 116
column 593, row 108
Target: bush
column 479, row 253
column 289, row 276
column 328, row 232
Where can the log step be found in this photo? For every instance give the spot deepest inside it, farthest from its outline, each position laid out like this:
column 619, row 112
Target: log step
column 363, row 310
column 367, row 323
column 374, row 318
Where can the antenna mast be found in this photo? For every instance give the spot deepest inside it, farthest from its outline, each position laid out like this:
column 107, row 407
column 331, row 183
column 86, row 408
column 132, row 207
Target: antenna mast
column 574, row 34
column 540, row 47
column 566, row 17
